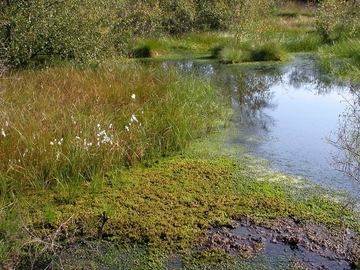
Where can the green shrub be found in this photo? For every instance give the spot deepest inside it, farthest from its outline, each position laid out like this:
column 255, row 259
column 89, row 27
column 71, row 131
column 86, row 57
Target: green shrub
column 41, row 30
column 337, row 18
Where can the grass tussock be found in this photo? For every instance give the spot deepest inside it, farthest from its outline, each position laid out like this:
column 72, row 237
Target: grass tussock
column 341, row 59
column 248, row 52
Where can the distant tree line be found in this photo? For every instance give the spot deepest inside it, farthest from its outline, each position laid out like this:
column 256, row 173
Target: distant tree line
column 86, row 31
column 34, row 31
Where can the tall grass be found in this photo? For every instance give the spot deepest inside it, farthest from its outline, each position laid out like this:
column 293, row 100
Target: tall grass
column 341, row 59
column 65, row 124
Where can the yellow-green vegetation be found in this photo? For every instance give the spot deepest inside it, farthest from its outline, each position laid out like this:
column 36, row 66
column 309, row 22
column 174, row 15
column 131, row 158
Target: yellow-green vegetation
column 337, row 23
column 167, row 207
column 287, row 29
column 64, row 123
column 90, row 155
column 342, row 59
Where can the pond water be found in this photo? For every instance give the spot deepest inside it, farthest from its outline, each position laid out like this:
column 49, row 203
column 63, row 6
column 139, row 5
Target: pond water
column 284, row 113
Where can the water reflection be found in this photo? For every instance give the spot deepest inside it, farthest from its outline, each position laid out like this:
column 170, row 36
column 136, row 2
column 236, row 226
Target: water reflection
column 346, row 140
column 248, row 90
column 283, row 112
column 251, row 95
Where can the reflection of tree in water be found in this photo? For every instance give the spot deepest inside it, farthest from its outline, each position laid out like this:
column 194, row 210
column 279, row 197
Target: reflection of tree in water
column 248, row 86
column 250, row 94
column 347, row 140
column 307, row 71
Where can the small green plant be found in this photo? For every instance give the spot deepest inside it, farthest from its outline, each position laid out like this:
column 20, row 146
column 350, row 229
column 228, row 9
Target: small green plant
column 49, row 214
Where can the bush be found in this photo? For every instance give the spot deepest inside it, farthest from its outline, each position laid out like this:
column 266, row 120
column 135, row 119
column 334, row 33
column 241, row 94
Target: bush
column 87, row 31
column 42, row 30
column 336, row 19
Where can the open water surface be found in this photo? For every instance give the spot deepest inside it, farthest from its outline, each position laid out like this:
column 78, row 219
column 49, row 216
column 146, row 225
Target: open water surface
column 284, row 113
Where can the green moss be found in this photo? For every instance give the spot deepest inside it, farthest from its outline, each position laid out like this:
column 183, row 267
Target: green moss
column 167, row 206
column 171, row 204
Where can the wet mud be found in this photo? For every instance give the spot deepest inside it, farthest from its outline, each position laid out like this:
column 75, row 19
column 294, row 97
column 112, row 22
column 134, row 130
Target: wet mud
column 307, row 245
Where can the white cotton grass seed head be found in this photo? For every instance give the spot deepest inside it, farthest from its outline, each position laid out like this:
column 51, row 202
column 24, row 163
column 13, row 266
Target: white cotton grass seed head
column 3, row 132
column 73, row 120
column 133, row 96
column 133, row 118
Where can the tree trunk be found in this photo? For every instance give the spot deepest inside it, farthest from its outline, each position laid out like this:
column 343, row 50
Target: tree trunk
column 7, row 36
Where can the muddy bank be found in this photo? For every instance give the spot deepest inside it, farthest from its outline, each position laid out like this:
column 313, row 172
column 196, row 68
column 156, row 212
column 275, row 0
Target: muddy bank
column 307, row 245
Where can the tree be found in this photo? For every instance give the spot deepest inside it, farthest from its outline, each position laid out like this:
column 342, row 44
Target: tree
column 337, row 18
column 36, row 31
column 39, row 30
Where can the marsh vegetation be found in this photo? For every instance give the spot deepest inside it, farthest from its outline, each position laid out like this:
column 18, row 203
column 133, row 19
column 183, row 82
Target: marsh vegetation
column 120, row 160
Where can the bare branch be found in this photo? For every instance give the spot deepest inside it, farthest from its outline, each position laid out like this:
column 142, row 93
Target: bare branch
column 347, row 140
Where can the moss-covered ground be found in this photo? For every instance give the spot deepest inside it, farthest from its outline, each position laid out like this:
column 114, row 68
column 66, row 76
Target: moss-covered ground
column 154, row 215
